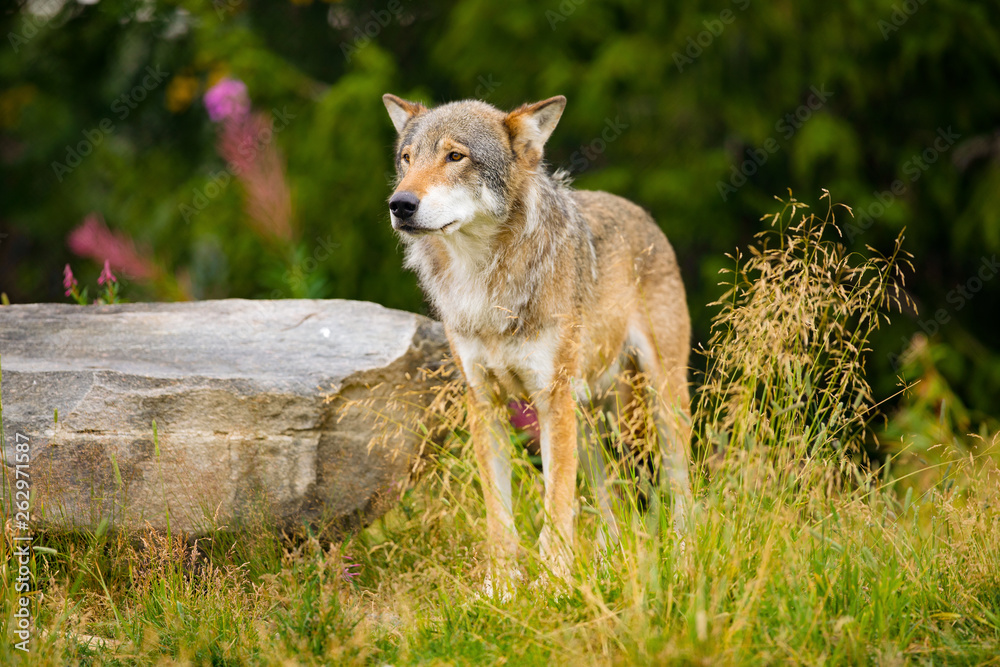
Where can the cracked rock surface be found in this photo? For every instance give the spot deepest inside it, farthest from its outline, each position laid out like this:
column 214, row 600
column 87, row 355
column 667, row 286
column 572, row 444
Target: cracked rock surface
column 237, row 389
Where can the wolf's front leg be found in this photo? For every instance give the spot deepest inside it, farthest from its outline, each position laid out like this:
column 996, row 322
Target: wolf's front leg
column 493, row 455
column 591, row 452
column 557, row 423
column 590, row 448
column 489, row 440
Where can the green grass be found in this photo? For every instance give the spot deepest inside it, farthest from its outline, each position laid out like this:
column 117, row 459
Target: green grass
column 849, row 576
column 800, row 549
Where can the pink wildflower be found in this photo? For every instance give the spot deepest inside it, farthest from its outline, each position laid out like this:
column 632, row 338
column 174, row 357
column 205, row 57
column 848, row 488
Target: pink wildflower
column 347, row 574
column 106, row 275
column 247, row 144
column 523, row 417
column 69, row 281
column 93, row 239
column 227, row 100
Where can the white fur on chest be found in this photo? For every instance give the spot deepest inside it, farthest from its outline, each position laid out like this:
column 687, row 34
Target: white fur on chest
column 519, row 363
column 467, row 294
column 463, row 294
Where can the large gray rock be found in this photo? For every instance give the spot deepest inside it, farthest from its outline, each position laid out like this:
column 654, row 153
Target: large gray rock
column 240, row 394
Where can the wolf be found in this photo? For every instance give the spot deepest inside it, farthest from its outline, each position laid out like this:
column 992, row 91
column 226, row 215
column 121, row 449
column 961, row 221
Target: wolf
column 547, row 294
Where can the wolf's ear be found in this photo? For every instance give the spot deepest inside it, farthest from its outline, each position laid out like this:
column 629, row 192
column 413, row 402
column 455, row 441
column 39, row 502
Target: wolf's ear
column 400, row 111
column 531, row 125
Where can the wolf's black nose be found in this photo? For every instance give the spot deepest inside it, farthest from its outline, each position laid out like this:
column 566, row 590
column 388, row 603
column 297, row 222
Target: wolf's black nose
column 403, row 205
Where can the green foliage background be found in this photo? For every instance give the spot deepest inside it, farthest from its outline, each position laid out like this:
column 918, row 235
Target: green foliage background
column 696, row 87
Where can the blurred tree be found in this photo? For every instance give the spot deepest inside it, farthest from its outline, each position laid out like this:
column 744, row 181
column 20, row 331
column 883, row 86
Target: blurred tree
column 700, row 111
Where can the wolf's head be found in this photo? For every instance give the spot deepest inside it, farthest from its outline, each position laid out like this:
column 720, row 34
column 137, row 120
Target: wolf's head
column 459, row 165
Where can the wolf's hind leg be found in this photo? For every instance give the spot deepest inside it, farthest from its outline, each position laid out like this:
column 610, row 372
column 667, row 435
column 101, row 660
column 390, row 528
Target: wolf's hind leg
column 667, row 396
column 592, row 460
column 673, row 434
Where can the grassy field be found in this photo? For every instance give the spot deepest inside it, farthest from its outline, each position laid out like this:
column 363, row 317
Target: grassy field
column 800, row 550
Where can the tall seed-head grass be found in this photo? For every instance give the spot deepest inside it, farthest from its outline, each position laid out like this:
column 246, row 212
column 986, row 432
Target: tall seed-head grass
column 785, row 363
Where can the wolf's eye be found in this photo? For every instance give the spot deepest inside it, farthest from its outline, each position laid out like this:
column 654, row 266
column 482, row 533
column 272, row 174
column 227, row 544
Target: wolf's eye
column 454, row 157
column 406, row 158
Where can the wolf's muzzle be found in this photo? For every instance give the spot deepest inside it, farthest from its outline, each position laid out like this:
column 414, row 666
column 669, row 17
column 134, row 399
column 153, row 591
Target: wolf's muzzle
column 403, row 205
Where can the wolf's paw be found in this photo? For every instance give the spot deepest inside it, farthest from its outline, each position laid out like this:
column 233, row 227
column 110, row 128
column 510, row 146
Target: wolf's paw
column 541, row 583
column 501, row 583
column 682, row 559
column 555, row 587
column 602, row 565
column 556, row 555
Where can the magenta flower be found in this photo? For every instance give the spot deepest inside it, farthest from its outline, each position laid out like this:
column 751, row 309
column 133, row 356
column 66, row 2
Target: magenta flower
column 93, row 239
column 246, row 142
column 69, row 282
column 106, row 275
column 524, row 418
column 248, row 145
column 347, row 573
column 228, row 99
